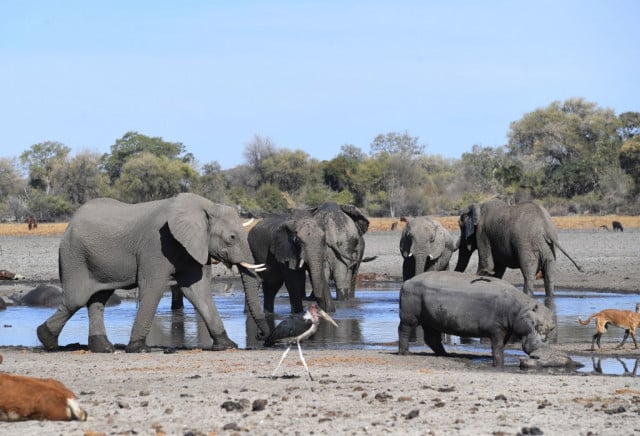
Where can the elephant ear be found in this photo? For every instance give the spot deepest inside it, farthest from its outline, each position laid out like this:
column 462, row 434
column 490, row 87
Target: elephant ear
column 361, row 221
column 469, row 220
column 284, row 245
column 405, row 240
column 188, row 223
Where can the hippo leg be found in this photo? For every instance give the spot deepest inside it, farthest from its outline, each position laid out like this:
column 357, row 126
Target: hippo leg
column 433, row 339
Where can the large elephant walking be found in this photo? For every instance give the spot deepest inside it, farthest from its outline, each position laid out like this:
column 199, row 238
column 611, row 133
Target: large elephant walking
column 520, row 236
column 291, row 245
column 344, row 226
column 425, row 245
column 111, row 245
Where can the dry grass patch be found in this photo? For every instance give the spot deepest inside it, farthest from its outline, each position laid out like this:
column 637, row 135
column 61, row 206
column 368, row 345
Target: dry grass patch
column 561, row 222
column 44, row 229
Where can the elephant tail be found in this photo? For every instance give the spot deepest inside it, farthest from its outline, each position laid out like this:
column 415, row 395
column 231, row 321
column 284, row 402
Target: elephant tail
column 557, row 244
column 587, row 321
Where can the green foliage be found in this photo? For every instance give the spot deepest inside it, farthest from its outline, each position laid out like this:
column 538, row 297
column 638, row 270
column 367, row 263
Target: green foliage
column 134, row 144
column 40, row 161
column 10, row 180
column 49, row 207
column 148, row 177
column 630, row 160
column 270, row 199
column 80, row 179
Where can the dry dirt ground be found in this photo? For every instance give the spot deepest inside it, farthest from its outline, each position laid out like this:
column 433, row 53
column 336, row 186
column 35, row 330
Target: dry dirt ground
column 354, row 391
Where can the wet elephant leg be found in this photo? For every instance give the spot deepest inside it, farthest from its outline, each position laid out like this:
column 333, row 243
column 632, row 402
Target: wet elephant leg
column 404, row 330
column 49, row 330
column 98, row 341
column 177, row 302
column 269, row 290
column 295, row 283
column 150, row 294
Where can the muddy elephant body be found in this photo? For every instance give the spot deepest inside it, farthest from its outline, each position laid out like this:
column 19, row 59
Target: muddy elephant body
column 291, row 246
column 519, row 236
column 471, row 306
column 425, row 245
column 344, row 226
column 111, row 245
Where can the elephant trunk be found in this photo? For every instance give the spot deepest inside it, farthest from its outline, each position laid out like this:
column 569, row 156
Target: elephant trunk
column 320, row 287
column 251, row 285
column 420, row 262
column 464, row 254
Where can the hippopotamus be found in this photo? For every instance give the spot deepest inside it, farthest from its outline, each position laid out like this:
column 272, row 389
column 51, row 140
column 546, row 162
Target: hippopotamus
column 469, row 305
column 51, row 296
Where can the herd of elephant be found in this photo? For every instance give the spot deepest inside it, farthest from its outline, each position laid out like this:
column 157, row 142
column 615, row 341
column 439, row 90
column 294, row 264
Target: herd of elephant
column 110, row 245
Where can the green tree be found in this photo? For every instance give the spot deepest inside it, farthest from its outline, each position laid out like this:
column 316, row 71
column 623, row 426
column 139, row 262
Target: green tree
column 40, row 160
column 80, row 179
column 10, row 180
column 270, row 199
column 566, row 147
column 630, row 160
column 629, row 125
column 288, row 170
column 212, row 183
column 134, row 144
column 149, row 177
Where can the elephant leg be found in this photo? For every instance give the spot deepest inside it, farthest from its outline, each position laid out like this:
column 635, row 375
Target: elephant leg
column 295, row 283
column 549, row 274
column 343, row 285
column 49, row 330
column 177, row 302
column 199, row 294
column 433, row 339
column 150, row 294
column 270, row 290
column 98, row 341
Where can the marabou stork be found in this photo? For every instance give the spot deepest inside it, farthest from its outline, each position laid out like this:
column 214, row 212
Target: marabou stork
column 295, row 329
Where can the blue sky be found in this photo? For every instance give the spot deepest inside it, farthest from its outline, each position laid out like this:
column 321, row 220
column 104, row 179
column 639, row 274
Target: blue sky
column 309, row 75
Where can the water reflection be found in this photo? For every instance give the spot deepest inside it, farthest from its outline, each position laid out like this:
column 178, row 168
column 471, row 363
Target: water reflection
column 368, row 322
column 608, row 365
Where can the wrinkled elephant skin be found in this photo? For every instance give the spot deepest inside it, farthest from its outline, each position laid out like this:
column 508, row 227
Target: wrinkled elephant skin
column 111, row 245
column 425, row 245
column 519, row 236
column 291, row 246
column 468, row 305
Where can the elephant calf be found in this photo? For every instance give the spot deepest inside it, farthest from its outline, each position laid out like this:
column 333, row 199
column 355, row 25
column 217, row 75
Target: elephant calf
column 471, row 306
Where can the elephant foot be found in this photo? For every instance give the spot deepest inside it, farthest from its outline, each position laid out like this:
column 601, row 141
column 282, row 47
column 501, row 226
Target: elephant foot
column 100, row 344
column 342, row 294
column 48, row 339
column 222, row 342
column 139, row 346
column 264, row 328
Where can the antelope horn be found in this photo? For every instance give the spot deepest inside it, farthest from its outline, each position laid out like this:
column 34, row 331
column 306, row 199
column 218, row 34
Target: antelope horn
column 248, row 223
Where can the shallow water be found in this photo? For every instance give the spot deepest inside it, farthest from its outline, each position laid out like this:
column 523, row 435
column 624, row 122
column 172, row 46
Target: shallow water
column 368, row 322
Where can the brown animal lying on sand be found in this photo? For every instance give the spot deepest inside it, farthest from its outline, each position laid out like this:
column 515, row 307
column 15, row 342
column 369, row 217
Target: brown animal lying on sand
column 24, row 398
column 8, row 275
column 625, row 319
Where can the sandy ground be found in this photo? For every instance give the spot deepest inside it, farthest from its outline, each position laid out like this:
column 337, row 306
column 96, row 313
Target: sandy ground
column 354, row 391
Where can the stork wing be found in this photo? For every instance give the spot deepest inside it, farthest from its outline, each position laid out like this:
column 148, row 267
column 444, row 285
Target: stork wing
column 287, row 330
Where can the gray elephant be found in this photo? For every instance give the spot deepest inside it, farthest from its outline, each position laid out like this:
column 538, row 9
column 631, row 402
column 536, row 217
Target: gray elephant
column 344, row 226
column 471, row 306
column 51, row 296
column 111, row 245
column 291, row 245
column 425, row 245
column 520, row 236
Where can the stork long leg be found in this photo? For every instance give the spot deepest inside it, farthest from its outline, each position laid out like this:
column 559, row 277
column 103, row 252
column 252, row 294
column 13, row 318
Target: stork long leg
column 303, row 362
column 281, row 360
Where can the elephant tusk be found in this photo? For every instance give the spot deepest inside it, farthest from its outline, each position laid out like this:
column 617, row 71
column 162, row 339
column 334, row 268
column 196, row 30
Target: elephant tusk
column 248, row 223
column 214, row 261
column 410, row 254
column 301, row 264
column 252, row 266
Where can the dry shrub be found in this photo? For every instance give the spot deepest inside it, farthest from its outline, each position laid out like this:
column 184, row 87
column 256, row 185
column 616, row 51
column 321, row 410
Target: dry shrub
column 43, row 229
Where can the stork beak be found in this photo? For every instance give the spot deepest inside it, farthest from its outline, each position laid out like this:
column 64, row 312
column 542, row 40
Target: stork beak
column 326, row 316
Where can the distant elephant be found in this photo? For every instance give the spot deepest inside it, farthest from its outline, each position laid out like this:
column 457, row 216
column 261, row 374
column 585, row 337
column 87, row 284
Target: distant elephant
column 344, row 226
column 520, row 236
column 291, row 245
column 51, row 296
column 425, row 245
column 471, row 306
column 111, row 245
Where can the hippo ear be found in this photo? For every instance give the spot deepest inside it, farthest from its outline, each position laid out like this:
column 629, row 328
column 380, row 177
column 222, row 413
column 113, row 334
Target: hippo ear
column 188, row 222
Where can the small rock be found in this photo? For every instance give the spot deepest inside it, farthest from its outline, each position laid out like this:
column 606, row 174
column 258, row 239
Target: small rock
column 500, row 397
column 413, row 414
column 123, row 404
column 259, row 405
column 230, row 406
column 231, row 426
column 144, row 393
